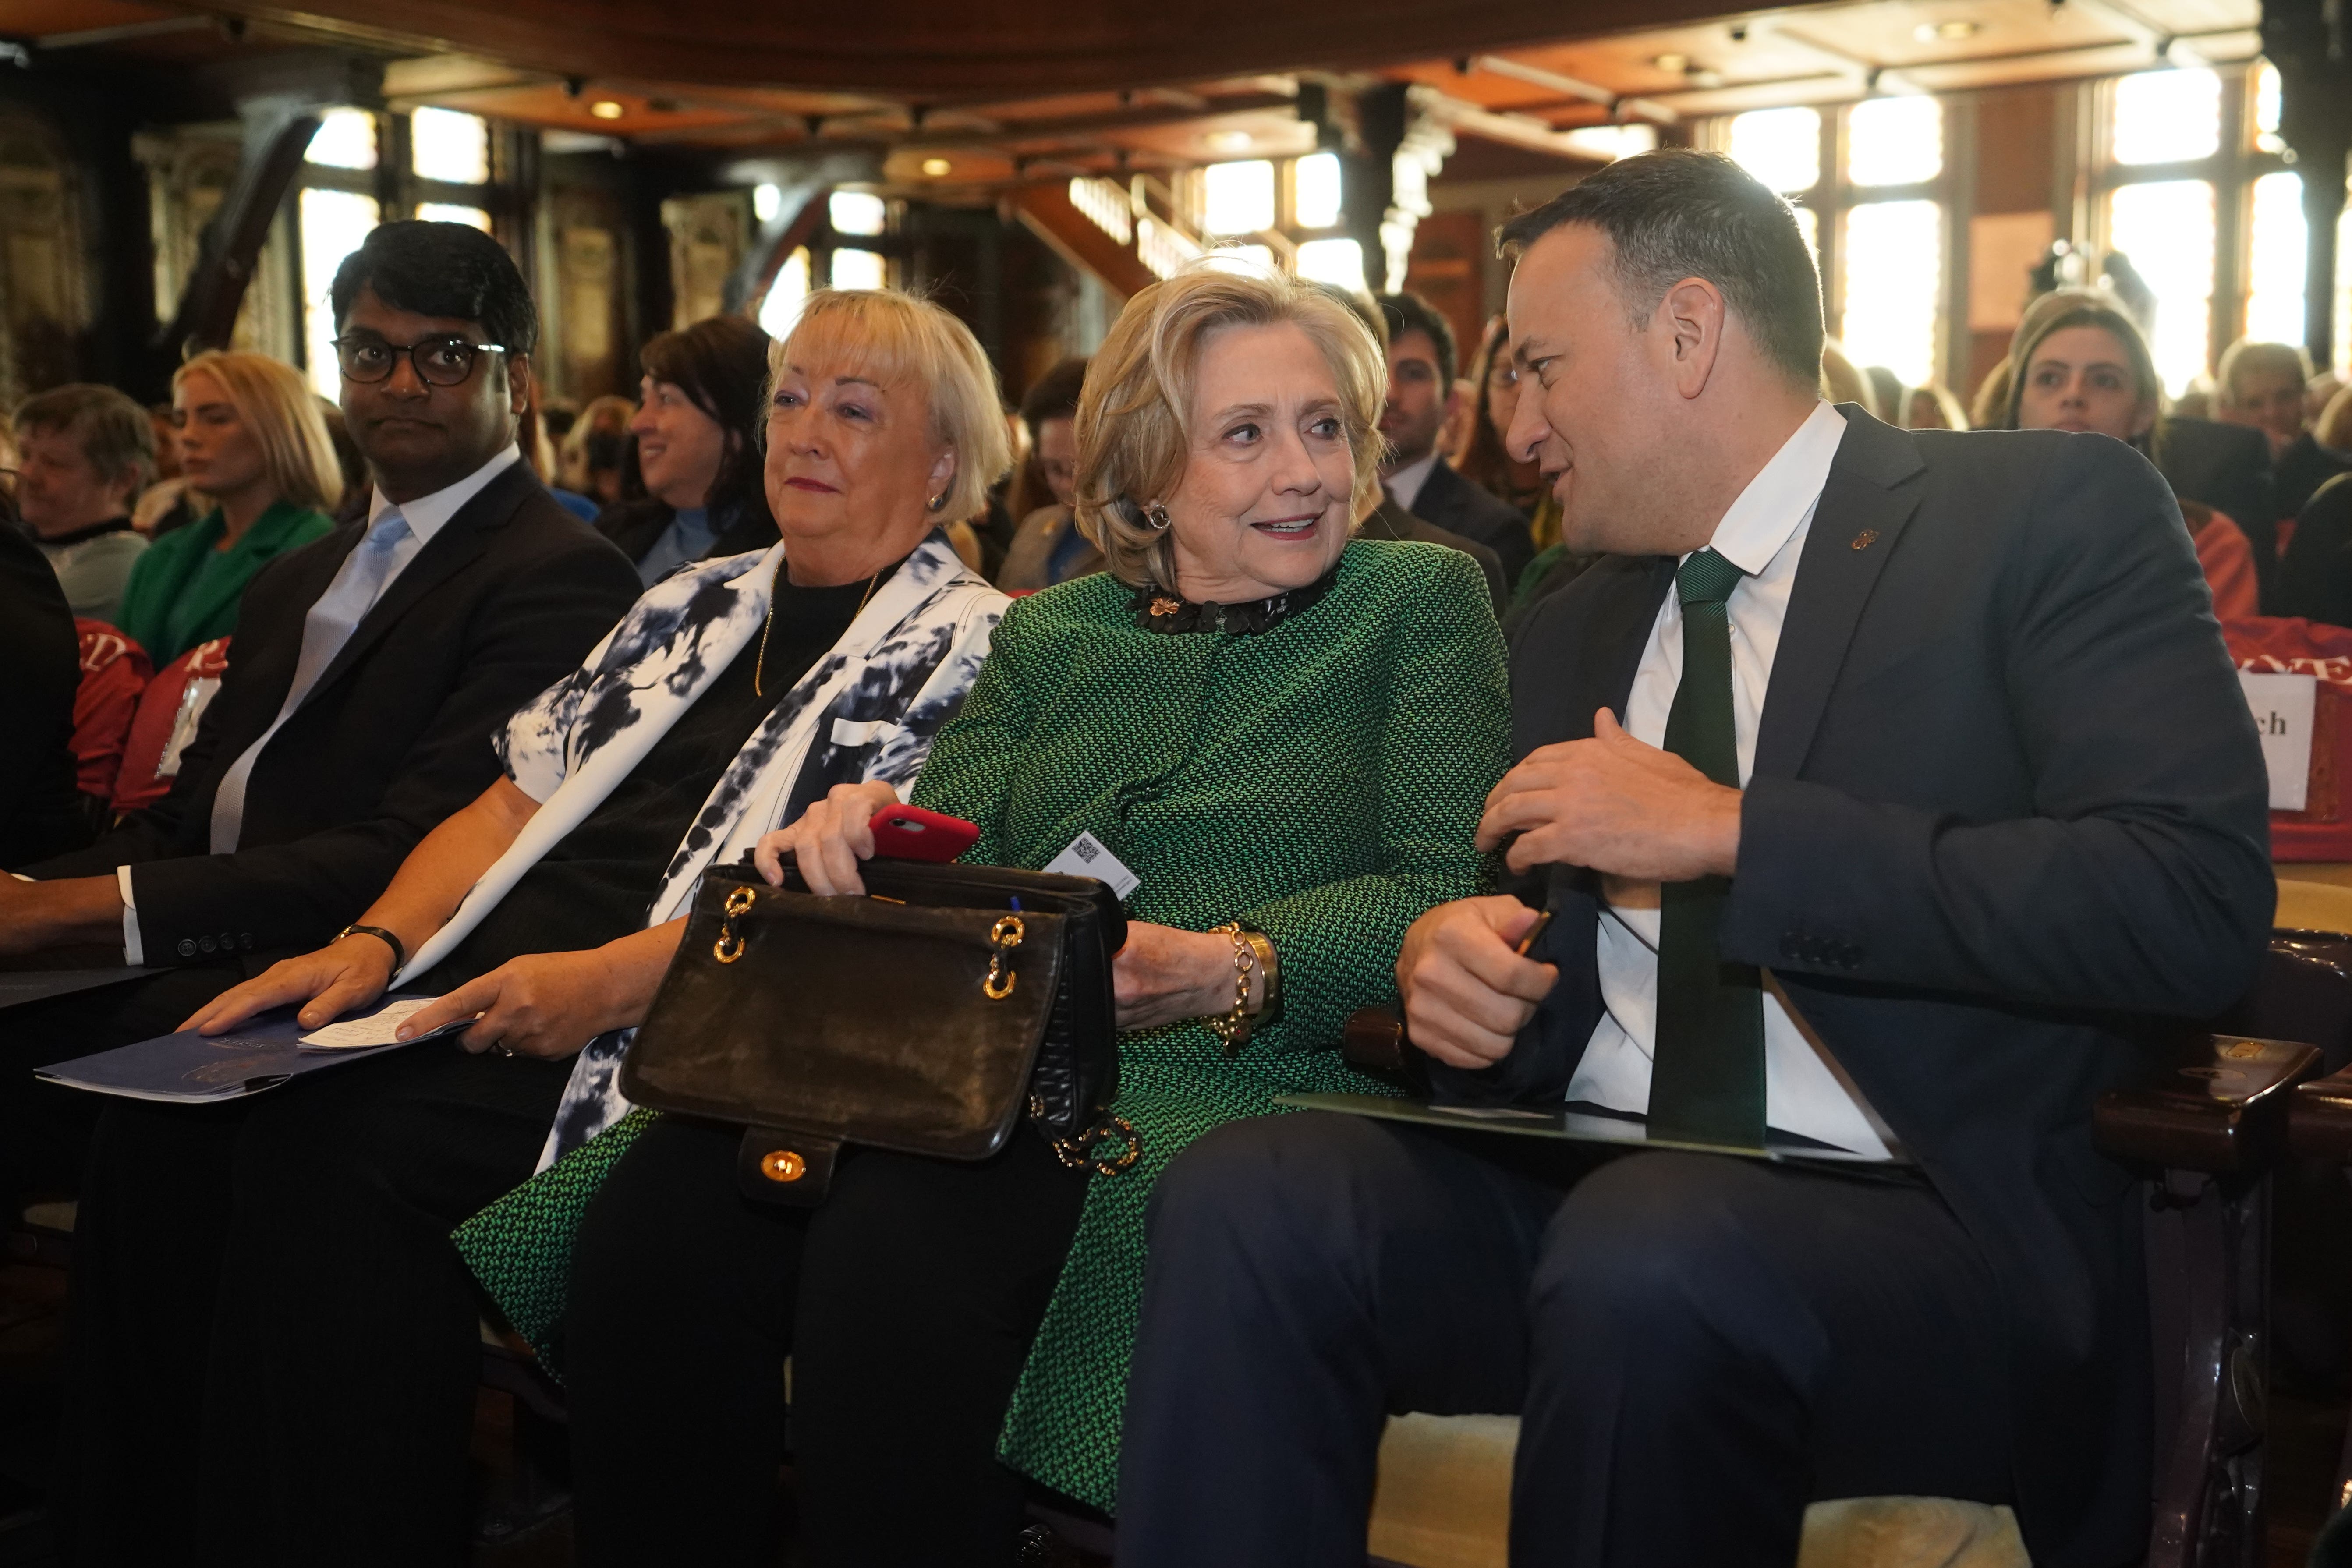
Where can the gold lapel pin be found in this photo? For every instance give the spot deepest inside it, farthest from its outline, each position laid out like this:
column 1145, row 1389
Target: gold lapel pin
column 1865, row 539
column 1165, row 606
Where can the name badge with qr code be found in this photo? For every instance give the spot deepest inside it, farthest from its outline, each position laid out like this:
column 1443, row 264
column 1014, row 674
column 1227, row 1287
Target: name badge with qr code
column 1089, row 857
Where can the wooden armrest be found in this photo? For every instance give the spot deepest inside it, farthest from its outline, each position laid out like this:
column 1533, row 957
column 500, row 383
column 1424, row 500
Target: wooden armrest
column 2320, row 1124
column 2219, row 1107
column 1373, row 1041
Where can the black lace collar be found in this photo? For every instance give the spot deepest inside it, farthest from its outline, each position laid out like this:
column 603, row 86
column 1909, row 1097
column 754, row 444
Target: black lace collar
column 1158, row 610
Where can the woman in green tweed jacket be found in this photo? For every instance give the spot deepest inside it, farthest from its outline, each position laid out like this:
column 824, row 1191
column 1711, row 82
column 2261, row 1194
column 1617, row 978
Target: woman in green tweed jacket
column 1286, row 738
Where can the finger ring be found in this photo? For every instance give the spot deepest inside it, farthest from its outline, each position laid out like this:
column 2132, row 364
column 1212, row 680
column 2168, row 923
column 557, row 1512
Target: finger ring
column 503, row 1048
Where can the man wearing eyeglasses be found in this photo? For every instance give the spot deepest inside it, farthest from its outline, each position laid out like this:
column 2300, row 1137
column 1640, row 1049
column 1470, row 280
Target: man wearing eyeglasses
column 369, row 672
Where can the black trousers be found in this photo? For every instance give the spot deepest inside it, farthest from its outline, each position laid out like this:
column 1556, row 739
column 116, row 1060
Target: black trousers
column 908, row 1301
column 1697, row 1346
column 44, row 1129
column 272, row 1344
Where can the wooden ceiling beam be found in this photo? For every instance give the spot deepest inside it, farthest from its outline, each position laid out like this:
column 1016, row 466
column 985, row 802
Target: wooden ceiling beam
column 1617, row 104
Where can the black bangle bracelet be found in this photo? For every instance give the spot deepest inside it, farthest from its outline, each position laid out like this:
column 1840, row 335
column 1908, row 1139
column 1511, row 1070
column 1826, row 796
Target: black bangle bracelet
column 399, row 953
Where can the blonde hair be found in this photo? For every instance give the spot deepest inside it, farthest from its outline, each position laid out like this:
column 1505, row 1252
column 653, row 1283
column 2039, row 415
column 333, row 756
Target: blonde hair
column 275, row 405
column 1134, row 415
column 902, row 340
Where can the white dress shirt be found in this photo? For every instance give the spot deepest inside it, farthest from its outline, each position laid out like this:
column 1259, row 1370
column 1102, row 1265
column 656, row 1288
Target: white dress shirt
column 1764, row 534
column 332, row 617
column 1406, row 482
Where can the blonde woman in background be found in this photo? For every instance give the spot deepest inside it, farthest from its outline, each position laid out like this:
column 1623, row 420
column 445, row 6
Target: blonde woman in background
column 251, row 439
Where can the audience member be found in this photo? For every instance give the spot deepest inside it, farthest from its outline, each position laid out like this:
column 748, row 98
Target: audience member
column 2225, row 466
column 2262, row 386
column 539, row 450
column 736, row 692
column 84, row 454
column 165, row 506
column 696, row 492
column 2088, row 369
column 1049, row 547
column 1288, row 756
column 2195, row 399
column 2315, row 579
column 40, row 814
column 1889, row 398
column 1990, row 407
column 1421, row 361
column 595, row 450
column 2333, row 427
column 1843, row 382
column 1991, row 676
column 1391, row 520
column 357, row 488
column 1495, row 379
column 1932, row 408
column 250, row 438
column 371, row 669
column 556, row 416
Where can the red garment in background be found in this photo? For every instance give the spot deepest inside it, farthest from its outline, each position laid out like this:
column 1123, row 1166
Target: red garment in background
column 168, row 712
column 114, row 671
column 2228, row 558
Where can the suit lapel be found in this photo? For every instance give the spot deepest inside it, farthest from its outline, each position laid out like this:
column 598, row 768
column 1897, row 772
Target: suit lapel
column 460, row 539
column 269, row 644
column 1867, row 500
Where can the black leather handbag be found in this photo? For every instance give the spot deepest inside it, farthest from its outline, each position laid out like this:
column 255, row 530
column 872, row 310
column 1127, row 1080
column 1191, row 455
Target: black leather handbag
column 926, row 1016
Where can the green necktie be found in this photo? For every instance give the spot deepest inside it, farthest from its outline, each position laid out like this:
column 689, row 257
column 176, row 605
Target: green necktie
column 1706, row 1068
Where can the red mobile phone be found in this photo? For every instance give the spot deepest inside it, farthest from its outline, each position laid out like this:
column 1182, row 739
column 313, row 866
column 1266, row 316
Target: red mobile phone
column 910, row 833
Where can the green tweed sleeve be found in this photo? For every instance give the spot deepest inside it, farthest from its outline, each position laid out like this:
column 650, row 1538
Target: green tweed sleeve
column 1446, row 736
column 969, row 770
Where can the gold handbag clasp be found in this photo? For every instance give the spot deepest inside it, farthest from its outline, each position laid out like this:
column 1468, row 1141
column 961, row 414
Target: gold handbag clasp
column 729, row 945
column 1006, row 934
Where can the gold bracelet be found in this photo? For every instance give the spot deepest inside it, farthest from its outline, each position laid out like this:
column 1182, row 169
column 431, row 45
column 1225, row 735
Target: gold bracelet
column 1269, row 963
column 1234, row 1028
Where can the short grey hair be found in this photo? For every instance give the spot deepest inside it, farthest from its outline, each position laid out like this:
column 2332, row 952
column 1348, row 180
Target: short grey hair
column 116, row 437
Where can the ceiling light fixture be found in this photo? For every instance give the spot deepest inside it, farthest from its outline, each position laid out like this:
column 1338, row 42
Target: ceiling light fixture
column 1675, row 64
column 935, row 167
column 1229, row 140
column 1950, row 32
column 607, row 109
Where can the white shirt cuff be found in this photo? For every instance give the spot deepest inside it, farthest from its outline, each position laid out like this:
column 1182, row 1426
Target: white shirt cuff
column 133, row 953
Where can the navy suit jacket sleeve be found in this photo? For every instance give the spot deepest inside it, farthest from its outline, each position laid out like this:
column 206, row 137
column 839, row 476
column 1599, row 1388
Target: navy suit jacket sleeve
column 534, row 630
column 2142, row 881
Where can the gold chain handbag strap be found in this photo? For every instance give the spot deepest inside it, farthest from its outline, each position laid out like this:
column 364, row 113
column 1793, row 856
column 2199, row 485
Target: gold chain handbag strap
column 1076, row 1153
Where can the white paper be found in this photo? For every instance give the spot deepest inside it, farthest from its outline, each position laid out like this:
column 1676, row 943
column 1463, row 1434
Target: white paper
column 375, row 1028
column 1089, row 857
column 2283, row 708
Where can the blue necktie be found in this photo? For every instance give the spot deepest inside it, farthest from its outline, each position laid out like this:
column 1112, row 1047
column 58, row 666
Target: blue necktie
column 325, row 630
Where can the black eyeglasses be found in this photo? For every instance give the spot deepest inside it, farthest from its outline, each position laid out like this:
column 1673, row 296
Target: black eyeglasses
column 438, row 362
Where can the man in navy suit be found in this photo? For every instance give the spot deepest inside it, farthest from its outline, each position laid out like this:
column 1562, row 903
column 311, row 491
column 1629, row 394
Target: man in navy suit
column 1890, row 792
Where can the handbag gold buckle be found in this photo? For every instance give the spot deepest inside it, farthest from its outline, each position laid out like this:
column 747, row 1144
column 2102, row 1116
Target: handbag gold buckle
column 1006, row 934
column 729, row 945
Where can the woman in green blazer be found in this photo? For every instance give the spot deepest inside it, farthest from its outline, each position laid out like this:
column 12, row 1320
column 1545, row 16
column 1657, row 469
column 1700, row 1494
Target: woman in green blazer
column 251, row 437
column 1286, row 738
